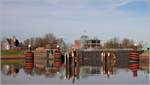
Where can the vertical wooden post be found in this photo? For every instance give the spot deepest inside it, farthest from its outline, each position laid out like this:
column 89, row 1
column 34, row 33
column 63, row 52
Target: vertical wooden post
column 73, row 63
column 76, row 64
column 68, row 64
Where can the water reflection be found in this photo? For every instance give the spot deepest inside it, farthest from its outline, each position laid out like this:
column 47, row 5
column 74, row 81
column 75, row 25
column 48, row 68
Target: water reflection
column 29, row 64
column 134, row 63
column 10, row 70
column 71, row 68
column 108, row 63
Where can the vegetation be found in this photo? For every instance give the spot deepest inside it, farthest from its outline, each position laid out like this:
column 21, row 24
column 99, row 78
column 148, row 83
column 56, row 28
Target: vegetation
column 15, row 62
column 51, row 39
column 11, row 52
column 125, row 43
column 112, row 43
column 43, row 41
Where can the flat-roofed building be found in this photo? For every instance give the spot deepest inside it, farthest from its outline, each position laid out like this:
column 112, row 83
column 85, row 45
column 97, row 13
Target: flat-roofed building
column 93, row 43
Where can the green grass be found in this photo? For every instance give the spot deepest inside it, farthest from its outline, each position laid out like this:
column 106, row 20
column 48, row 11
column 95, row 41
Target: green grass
column 11, row 52
column 3, row 62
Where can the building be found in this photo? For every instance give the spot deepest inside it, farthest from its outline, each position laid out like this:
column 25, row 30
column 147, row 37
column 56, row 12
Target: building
column 77, row 44
column 86, row 43
column 9, row 43
column 93, row 43
column 5, row 45
column 40, row 55
column 83, row 40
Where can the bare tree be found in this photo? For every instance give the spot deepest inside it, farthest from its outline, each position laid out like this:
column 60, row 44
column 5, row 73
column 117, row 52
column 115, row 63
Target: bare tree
column 43, row 41
column 115, row 43
column 126, row 43
column 112, row 43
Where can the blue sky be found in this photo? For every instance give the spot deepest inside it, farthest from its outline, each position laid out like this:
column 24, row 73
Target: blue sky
column 69, row 19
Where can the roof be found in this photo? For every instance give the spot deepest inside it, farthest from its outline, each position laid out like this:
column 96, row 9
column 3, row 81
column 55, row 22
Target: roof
column 145, row 46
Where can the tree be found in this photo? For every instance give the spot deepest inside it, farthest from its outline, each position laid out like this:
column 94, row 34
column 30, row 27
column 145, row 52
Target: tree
column 43, row 41
column 26, row 42
column 115, row 43
column 16, row 43
column 62, row 44
column 126, row 43
column 112, row 43
column 49, row 38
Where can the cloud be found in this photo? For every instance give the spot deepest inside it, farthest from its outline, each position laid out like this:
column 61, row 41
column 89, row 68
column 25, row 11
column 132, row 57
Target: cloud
column 61, row 8
column 59, row 15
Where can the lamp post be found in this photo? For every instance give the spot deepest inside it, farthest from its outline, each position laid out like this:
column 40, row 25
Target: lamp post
column 29, row 46
column 135, row 46
column 57, row 46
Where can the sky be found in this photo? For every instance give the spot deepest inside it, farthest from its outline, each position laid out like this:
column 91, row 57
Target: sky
column 69, row 19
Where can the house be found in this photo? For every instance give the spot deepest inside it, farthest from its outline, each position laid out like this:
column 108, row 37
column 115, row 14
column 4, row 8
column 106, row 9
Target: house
column 87, row 43
column 5, row 45
column 9, row 43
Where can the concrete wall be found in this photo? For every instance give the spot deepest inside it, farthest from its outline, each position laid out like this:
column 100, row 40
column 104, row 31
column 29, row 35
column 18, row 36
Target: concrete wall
column 93, row 58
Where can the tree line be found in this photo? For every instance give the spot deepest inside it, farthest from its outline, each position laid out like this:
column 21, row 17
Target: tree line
column 48, row 38
column 124, row 43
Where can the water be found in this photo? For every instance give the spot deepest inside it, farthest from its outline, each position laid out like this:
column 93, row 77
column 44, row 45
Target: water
column 122, row 76
column 90, row 71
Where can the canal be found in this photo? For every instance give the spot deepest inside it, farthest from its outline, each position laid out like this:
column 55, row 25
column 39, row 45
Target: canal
column 90, row 70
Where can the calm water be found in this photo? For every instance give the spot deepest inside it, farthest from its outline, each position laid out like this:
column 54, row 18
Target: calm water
column 120, row 71
column 121, row 76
